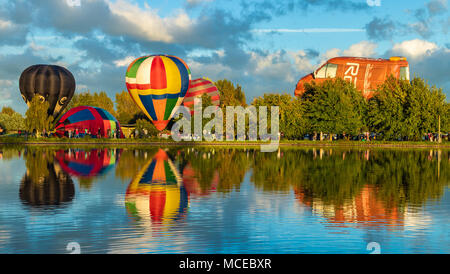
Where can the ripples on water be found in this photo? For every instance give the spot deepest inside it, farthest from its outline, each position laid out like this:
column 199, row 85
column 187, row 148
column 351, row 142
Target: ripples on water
column 205, row 200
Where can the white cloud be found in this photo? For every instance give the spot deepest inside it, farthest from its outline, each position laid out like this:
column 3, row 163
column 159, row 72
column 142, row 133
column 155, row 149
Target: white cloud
column 301, row 61
column 125, row 61
column 361, row 49
column 5, row 24
column 214, row 71
column 36, row 47
column 5, row 83
column 309, row 30
column 415, row 49
column 275, row 65
column 147, row 24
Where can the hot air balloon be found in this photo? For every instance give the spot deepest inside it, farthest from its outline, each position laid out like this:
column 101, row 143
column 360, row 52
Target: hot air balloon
column 52, row 83
column 96, row 120
column 197, row 88
column 156, row 194
column 158, row 84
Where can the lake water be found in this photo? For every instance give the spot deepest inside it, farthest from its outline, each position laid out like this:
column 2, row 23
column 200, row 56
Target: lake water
column 221, row 200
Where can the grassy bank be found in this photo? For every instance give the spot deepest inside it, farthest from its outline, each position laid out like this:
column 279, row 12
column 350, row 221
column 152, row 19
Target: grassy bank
column 170, row 142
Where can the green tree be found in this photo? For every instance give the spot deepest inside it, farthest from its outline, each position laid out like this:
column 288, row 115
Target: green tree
column 334, row 106
column 7, row 110
column 80, row 99
column 127, row 110
column 145, row 125
column 100, row 100
column 292, row 122
column 37, row 118
column 229, row 94
column 12, row 122
column 407, row 110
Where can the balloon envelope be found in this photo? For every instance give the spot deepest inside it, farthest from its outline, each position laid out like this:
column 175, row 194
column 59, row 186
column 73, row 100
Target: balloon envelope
column 96, row 120
column 52, row 83
column 197, row 88
column 158, row 84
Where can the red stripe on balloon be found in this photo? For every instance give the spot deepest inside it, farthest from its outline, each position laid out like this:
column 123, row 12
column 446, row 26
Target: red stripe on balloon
column 201, row 91
column 158, row 74
column 214, row 99
column 131, row 86
column 157, row 204
column 196, row 83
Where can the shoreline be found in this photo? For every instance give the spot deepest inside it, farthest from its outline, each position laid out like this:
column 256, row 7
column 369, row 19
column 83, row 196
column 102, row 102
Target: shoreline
column 351, row 144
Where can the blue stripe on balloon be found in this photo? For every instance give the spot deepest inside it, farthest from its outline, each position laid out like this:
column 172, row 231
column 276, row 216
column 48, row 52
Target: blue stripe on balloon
column 147, row 102
column 148, row 175
column 102, row 113
column 82, row 115
column 183, row 74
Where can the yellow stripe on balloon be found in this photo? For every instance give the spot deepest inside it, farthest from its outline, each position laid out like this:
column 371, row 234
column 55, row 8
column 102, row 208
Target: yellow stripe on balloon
column 134, row 93
column 157, row 91
column 172, row 205
column 173, row 73
column 134, row 185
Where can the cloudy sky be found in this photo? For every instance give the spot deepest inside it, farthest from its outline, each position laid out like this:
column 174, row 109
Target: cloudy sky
column 265, row 46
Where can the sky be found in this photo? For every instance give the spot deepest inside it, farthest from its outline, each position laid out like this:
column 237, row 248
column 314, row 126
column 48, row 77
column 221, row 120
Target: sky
column 264, row 46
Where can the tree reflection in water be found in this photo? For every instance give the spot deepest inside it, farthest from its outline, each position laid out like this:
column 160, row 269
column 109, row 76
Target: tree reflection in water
column 346, row 186
column 367, row 187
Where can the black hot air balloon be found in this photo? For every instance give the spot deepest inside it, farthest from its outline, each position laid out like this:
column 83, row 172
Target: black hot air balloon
column 53, row 83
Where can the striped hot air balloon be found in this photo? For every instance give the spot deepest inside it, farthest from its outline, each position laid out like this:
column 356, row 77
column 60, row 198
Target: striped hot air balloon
column 156, row 194
column 96, row 120
column 197, row 88
column 158, row 84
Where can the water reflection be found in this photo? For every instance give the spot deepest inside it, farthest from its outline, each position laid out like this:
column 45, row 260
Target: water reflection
column 193, row 199
column 192, row 181
column 374, row 188
column 87, row 164
column 366, row 209
column 156, row 196
column 45, row 183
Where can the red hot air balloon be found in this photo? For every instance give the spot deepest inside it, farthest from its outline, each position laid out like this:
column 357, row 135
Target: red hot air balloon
column 197, row 88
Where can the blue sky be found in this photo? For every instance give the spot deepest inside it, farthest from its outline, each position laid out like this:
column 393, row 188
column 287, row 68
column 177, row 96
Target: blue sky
column 264, row 46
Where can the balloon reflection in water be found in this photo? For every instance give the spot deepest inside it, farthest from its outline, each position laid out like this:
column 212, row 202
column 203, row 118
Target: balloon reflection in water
column 48, row 186
column 156, row 195
column 192, row 184
column 87, row 163
column 364, row 210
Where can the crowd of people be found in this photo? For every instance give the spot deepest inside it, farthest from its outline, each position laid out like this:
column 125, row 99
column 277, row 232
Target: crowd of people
column 81, row 133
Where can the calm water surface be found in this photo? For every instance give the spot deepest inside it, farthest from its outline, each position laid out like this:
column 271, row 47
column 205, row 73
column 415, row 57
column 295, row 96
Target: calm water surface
column 205, row 200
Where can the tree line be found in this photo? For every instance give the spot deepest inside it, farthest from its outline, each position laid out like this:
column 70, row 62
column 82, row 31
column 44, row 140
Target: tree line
column 399, row 110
